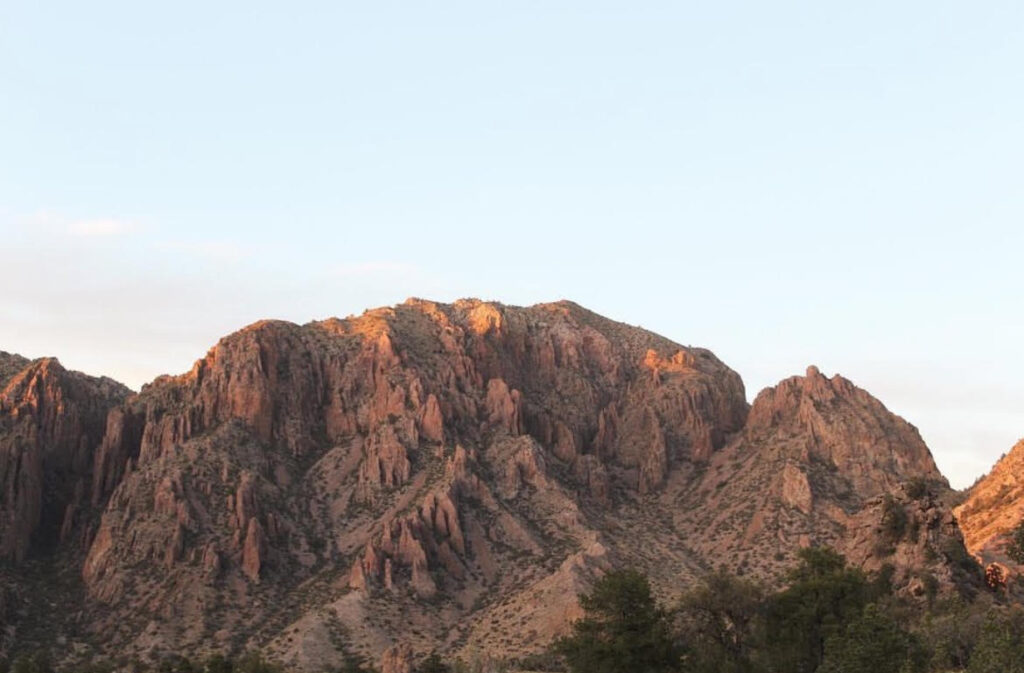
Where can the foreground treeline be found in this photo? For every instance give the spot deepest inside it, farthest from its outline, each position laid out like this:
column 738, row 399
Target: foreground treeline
column 40, row 662
column 830, row 618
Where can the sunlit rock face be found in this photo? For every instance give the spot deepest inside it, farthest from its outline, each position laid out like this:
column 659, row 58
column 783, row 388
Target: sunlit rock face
column 993, row 508
column 452, row 476
column 413, row 454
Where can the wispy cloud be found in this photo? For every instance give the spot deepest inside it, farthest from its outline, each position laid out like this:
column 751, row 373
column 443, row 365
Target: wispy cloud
column 100, row 227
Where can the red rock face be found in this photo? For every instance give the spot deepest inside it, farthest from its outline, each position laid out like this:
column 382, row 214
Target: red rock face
column 457, row 474
column 51, row 421
column 994, row 506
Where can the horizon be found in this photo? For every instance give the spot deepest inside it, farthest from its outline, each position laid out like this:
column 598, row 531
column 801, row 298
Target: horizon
column 783, row 185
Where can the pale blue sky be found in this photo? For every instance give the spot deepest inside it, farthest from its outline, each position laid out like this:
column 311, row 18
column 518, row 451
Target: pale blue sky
column 784, row 183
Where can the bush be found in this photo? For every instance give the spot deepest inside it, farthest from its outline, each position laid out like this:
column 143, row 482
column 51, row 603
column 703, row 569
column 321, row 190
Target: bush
column 894, row 520
column 918, row 488
column 218, row 663
column 433, row 664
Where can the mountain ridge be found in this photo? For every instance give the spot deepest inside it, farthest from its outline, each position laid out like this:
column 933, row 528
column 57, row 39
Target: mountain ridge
column 468, row 468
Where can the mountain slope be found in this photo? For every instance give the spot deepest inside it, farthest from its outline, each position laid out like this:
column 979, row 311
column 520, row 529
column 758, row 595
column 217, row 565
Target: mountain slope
column 821, row 461
column 993, row 508
column 452, row 476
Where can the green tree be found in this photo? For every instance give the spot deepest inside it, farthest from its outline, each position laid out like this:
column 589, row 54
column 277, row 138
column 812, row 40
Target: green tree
column 623, row 629
column 1001, row 646
column 717, row 620
column 873, row 643
column 823, row 596
column 953, row 630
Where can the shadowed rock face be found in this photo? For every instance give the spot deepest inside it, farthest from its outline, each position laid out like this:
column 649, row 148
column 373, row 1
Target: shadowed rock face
column 456, row 475
column 51, row 420
column 993, row 508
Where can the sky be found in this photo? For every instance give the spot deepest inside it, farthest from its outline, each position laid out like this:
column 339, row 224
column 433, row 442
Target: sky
column 783, row 183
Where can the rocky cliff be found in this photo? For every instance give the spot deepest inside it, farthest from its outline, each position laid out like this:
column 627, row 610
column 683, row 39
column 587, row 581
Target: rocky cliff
column 51, row 421
column 452, row 476
column 993, row 507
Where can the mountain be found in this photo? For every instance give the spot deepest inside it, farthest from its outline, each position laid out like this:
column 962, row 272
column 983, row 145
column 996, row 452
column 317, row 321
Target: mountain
column 451, row 477
column 993, row 507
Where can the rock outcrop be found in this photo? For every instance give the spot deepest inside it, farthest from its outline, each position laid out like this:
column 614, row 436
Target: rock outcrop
column 812, row 466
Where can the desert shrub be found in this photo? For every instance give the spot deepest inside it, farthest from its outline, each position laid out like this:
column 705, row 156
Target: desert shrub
column 433, row 663
column 218, row 663
column 918, row 488
column 894, row 520
column 549, row 662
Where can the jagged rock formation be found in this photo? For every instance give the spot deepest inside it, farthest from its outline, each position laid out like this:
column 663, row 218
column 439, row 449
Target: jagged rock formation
column 50, row 422
column 454, row 475
column 821, row 461
column 994, row 506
